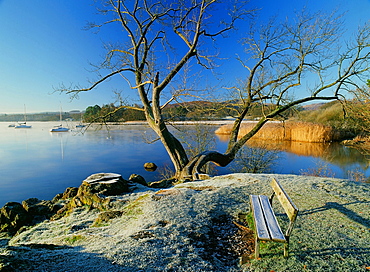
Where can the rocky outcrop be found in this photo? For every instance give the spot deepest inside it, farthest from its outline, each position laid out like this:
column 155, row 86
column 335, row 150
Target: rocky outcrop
column 94, row 192
column 40, row 210
column 68, row 193
column 14, row 216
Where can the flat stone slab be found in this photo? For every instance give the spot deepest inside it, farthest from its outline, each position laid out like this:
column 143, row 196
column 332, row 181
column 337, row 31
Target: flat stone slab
column 103, row 178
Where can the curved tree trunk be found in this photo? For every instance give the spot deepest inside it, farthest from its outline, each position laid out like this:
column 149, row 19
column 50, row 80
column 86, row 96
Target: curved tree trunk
column 192, row 170
column 174, row 148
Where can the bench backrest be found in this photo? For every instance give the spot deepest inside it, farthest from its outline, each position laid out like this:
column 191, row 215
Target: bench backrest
column 288, row 205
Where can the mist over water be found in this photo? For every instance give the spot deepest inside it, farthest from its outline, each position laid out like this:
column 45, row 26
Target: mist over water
column 37, row 163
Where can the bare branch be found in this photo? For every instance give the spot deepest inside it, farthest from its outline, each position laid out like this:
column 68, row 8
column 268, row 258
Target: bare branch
column 103, row 79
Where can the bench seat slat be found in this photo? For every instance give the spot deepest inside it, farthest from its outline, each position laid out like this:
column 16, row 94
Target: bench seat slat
column 266, row 225
column 273, row 226
column 260, row 224
column 288, row 205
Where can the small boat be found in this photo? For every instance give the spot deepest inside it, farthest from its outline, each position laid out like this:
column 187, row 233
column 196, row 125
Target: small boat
column 80, row 125
column 11, row 125
column 59, row 128
column 24, row 124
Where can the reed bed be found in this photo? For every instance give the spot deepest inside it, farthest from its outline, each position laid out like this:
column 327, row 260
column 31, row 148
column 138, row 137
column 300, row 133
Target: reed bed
column 288, row 131
column 298, row 148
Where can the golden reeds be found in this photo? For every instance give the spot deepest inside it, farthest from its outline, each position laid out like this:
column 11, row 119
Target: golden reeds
column 288, row 131
column 298, row 148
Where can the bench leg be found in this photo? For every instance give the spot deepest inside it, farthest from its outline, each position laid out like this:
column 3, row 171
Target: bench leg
column 257, row 249
column 286, row 250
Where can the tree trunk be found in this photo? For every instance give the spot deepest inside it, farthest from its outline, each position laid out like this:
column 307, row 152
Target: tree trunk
column 174, row 148
column 192, row 170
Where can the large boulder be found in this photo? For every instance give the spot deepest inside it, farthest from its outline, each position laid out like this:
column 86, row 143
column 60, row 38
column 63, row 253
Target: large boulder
column 93, row 192
column 106, row 184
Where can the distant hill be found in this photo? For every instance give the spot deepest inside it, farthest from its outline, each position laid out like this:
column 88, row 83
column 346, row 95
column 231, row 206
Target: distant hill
column 315, row 106
column 192, row 104
column 192, row 110
column 44, row 116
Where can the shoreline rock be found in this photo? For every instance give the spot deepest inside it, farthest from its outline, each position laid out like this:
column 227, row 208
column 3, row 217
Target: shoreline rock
column 150, row 166
column 93, row 193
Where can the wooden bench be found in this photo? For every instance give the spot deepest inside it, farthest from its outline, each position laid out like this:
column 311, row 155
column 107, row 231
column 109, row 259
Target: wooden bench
column 266, row 226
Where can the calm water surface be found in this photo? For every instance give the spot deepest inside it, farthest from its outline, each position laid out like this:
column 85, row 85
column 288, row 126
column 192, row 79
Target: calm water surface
column 37, row 163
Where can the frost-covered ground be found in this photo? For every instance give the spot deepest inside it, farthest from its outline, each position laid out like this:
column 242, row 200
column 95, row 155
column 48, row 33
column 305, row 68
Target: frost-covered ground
column 183, row 229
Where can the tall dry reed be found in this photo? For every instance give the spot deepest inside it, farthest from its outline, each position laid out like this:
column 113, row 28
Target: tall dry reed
column 288, row 131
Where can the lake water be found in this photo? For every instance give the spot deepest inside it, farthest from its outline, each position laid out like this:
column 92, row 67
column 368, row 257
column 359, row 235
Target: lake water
column 37, row 163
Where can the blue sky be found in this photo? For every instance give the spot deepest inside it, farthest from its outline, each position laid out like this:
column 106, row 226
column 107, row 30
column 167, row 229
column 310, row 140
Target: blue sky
column 43, row 45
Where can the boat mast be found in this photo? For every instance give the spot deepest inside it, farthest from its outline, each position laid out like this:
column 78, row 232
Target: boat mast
column 60, row 115
column 25, row 115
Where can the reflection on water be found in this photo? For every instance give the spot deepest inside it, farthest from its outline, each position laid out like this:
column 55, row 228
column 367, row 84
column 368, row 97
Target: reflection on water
column 341, row 158
column 60, row 137
column 331, row 152
column 37, row 163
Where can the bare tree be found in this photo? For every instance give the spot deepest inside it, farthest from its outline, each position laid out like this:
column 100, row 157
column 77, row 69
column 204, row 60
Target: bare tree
column 291, row 63
column 281, row 56
column 155, row 28
column 358, row 109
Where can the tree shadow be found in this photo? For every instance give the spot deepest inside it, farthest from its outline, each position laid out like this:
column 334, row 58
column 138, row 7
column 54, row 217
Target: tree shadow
column 342, row 251
column 49, row 257
column 341, row 208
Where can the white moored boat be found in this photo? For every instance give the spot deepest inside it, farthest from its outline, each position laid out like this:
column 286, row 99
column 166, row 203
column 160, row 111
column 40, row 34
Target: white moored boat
column 59, row 128
column 24, row 124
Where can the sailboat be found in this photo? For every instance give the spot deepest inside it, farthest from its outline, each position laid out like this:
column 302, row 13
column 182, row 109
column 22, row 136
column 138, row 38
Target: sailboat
column 59, row 128
column 24, row 124
column 80, row 125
